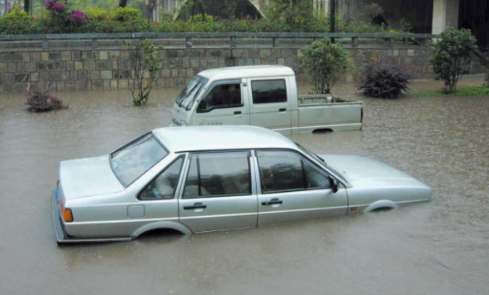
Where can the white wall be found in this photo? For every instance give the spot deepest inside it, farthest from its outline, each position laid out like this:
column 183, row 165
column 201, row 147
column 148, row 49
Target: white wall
column 445, row 15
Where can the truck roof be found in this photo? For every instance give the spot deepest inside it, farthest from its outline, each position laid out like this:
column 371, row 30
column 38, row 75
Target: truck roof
column 205, row 138
column 247, row 72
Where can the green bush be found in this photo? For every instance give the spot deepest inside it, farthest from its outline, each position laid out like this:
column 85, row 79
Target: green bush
column 198, row 18
column 127, row 14
column 383, row 81
column 129, row 19
column 97, row 14
column 16, row 22
column 452, row 56
column 296, row 13
column 325, row 64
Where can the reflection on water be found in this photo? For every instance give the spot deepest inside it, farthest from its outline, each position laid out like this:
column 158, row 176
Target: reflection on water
column 437, row 248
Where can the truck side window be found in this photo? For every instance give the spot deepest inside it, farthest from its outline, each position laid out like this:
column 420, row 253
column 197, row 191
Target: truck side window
column 269, row 91
column 222, row 96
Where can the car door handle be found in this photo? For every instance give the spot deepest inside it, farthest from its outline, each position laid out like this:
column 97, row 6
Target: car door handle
column 195, row 206
column 237, row 113
column 272, row 202
column 282, row 110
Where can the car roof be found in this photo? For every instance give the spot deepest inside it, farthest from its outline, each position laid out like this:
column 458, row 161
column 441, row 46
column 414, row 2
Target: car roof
column 246, row 72
column 205, row 138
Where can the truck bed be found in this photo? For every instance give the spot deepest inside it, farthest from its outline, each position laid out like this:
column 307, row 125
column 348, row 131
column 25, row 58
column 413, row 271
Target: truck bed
column 311, row 100
column 323, row 112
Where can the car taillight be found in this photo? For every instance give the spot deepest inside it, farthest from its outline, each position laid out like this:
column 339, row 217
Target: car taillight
column 67, row 215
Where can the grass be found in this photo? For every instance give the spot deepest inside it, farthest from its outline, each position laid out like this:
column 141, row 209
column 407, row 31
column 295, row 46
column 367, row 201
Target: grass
column 466, row 91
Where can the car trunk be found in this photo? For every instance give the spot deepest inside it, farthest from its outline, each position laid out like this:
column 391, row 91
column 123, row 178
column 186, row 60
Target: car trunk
column 88, row 177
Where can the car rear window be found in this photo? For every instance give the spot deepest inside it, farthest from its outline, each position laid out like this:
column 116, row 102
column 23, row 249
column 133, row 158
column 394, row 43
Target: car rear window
column 134, row 159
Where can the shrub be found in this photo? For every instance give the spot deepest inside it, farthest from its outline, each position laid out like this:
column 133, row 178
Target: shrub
column 325, row 64
column 78, row 18
column 198, row 18
column 43, row 101
column 127, row 14
column 384, row 81
column 16, row 22
column 145, row 62
column 298, row 14
column 97, row 14
column 452, row 56
column 55, row 7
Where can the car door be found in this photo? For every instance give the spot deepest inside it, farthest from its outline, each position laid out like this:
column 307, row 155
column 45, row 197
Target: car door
column 269, row 104
column 294, row 188
column 222, row 104
column 157, row 200
column 219, row 192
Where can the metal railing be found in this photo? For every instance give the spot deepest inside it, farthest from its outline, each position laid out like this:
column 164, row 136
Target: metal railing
column 390, row 38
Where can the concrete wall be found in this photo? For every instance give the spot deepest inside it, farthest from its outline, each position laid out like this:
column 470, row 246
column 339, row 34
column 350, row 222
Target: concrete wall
column 109, row 68
column 445, row 15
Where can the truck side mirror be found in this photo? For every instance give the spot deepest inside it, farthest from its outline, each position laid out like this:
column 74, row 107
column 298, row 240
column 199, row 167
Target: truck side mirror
column 334, row 184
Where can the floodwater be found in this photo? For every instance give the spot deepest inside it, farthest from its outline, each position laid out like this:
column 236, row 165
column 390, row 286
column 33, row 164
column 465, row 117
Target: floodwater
column 436, row 248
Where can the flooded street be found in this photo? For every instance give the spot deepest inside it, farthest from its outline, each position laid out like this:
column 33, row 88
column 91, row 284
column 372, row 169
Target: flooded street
column 436, row 248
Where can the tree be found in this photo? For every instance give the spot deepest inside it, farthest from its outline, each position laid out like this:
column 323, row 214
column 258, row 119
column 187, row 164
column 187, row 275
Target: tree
column 27, row 5
column 325, row 64
column 452, row 56
column 122, row 3
column 296, row 13
column 145, row 64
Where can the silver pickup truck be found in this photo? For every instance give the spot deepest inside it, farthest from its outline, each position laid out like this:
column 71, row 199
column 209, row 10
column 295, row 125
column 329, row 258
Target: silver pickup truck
column 263, row 96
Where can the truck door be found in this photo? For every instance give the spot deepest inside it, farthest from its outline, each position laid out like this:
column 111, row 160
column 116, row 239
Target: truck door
column 222, row 104
column 269, row 104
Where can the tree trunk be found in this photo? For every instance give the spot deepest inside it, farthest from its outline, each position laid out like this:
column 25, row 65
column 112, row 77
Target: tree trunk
column 27, row 5
column 122, row 3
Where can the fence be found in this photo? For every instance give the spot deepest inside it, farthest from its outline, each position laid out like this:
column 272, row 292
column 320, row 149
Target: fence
column 230, row 39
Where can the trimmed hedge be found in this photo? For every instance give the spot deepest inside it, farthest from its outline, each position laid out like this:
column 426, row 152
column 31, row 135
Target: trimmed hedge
column 129, row 20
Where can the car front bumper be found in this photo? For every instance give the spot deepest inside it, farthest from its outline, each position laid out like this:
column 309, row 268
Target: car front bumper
column 63, row 238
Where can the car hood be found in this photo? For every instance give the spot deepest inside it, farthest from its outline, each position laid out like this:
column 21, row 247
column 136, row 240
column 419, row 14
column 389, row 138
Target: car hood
column 365, row 172
column 88, row 177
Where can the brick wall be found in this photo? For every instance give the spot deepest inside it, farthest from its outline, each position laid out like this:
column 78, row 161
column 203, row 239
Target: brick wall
column 105, row 69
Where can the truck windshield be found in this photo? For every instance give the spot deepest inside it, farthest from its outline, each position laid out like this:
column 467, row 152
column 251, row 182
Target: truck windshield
column 320, row 160
column 134, row 159
column 188, row 95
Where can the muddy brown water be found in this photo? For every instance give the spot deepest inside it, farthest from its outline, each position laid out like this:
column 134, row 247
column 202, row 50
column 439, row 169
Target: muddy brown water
column 436, row 248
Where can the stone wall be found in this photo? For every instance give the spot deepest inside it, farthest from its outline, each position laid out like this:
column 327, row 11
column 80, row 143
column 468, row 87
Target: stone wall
column 105, row 69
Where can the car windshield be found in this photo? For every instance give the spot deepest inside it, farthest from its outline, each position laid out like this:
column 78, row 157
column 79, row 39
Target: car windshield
column 189, row 94
column 320, row 160
column 134, row 159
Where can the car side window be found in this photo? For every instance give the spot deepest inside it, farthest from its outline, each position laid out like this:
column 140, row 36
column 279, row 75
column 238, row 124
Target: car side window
column 282, row 171
column 222, row 96
column 269, row 91
column 163, row 187
column 218, row 174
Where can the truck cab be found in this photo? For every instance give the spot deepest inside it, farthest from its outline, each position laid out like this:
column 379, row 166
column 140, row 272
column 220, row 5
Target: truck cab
column 263, row 96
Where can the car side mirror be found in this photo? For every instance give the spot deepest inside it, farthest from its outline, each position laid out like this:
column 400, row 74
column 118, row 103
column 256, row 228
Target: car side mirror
column 334, row 184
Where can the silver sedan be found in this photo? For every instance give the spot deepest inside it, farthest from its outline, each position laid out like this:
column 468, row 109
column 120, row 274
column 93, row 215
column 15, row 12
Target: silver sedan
column 200, row 179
